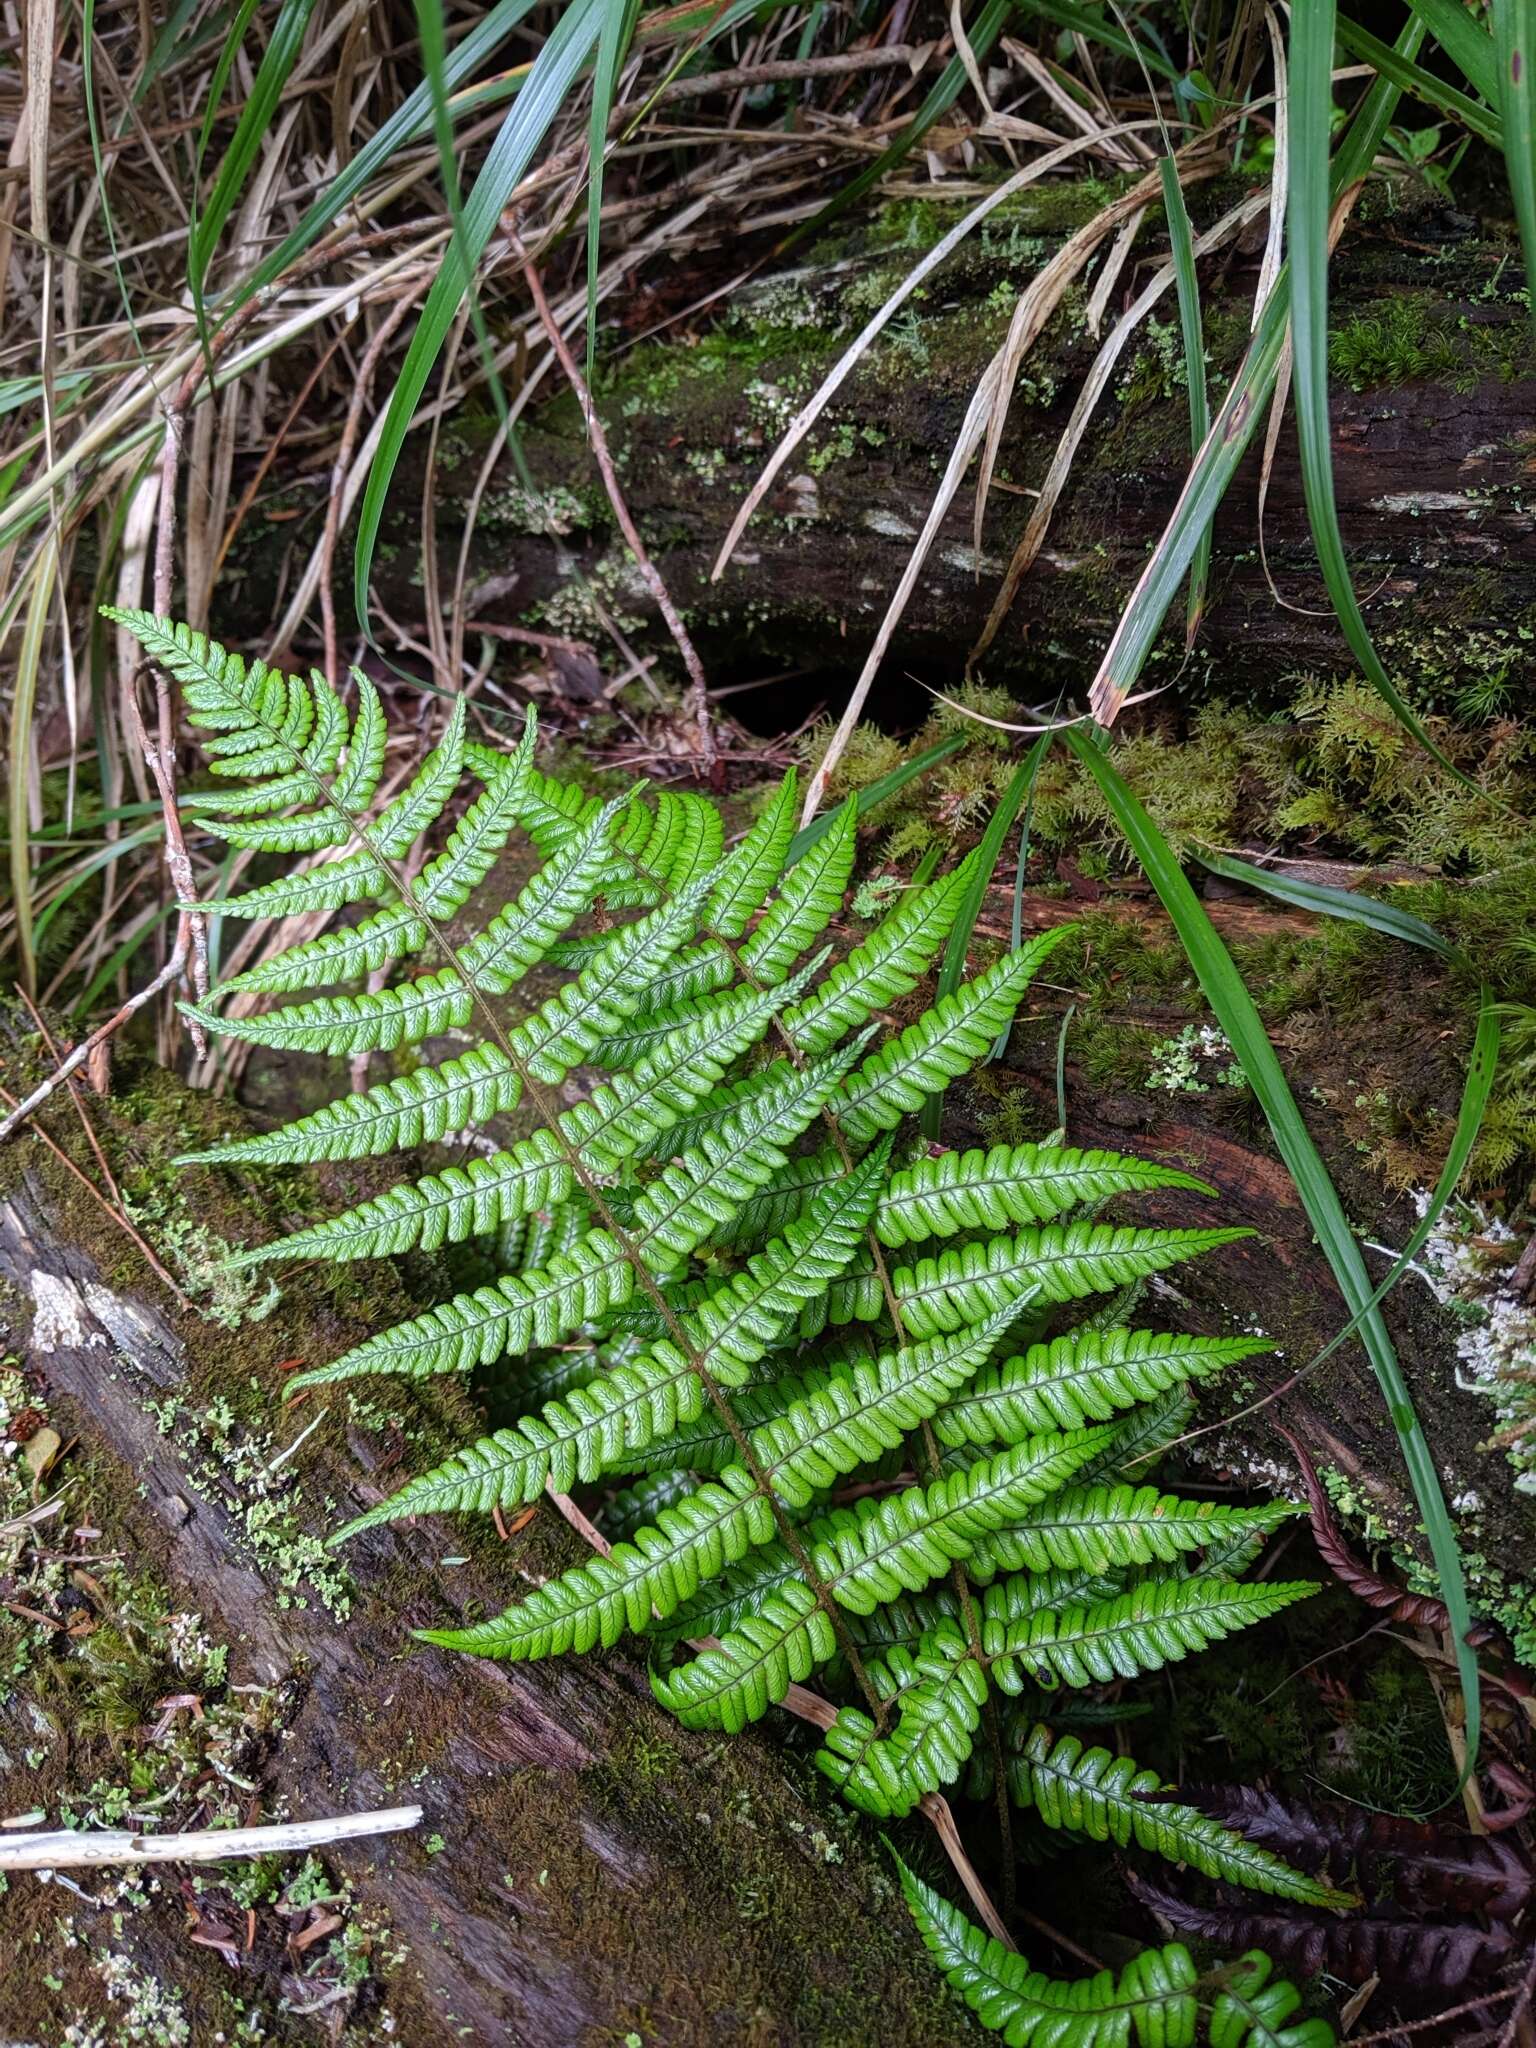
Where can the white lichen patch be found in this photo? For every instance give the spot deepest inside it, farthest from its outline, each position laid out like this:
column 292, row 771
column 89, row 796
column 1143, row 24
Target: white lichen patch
column 1468, row 1262
column 61, row 1320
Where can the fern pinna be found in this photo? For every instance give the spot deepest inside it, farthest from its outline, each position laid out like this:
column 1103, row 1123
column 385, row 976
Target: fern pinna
column 822, row 1373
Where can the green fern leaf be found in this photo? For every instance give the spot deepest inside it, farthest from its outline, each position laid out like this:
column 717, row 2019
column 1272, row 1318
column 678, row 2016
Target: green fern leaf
column 343, row 955
column 415, row 1109
column 1154, row 2000
column 1108, row 1799
column 664, row 1564
column 752, row 1668
column 864, row 1556
column 889, row 964
column 942, row 1690
column 755, row 865
column 515, row 1313
column 1102, row 1528
column 1158, row 1622
column 809, row 897
column 943, row 1043
column 637, row 1402
column 1009, row 1185
column 1083, row 1376
column 1064, row 1261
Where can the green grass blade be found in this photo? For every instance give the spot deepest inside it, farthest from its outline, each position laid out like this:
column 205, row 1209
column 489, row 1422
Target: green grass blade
column 877, row 792
column 251, row 130
column 1308, row 204
column 1327, row 902
column 952, row 967
column 1469, row 47
column 1181, row 245
column 559, row 63
column 1421, row 84
column 408, row 122
column 1093, row 28
column 1514, row 31
column 1235, row 1011
column 1233, row 429
column 619, row 18
column 981, row 34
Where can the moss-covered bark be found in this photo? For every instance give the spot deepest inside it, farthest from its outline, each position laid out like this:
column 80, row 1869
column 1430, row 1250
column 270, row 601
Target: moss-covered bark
column 1433, row 400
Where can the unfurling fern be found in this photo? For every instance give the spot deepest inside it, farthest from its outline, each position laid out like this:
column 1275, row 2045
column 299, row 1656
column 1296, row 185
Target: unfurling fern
column 819, row 1371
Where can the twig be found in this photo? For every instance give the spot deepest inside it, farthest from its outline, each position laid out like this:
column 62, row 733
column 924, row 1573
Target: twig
column 117, row 1215
column 697, row 699
column 82, row 1052
column 69, row 1849
column 74, row 1095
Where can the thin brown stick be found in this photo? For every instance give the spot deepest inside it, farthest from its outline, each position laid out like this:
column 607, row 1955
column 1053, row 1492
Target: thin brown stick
column 82, row 1052
column 117, row 1215
column 74, row 1095
column 697, row 699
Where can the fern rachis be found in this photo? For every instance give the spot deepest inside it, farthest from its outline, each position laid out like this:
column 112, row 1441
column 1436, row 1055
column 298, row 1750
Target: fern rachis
column 726, row 1191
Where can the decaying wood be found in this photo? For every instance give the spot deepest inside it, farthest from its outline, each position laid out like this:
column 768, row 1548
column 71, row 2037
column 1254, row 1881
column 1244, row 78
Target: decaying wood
column 1431, row 472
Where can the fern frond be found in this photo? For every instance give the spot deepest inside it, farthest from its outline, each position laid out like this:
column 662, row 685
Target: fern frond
column 342, row 955
column 942, row 1690
column 806, row 1447
column 942, row 1044
column 414, row 1109
column 752, row 868
column 562, row 1031
column 515, row 1313
column 753, row 1667
column 1154, row 2000
column 864, row 1556
column 629, row 1407
column 805, row 903
column 1064, row 1261
column 1139, row 1439
column 1106, row 1798
column 1104, row 1528
column 1081, row 1377
column 889, row 964
column 851, row 1419
column 1158, row 1622
column 1008, row 1185
column 660, row 1568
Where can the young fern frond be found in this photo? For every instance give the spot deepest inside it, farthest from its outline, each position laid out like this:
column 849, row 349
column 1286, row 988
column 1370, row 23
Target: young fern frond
column 688, row 1220
column 1159, row 2000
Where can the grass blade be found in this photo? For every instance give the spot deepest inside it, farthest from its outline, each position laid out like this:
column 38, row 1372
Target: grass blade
column 568, row 49
column 619, row 18
column 1309, row 202
column 1232, row 430
column 941, row 97
column 1422, row 84
column 1234, row 1008
column 1324, row 901
column 1181, row 246
column 877, row 792
column 1514, row 29
column 1469, row 47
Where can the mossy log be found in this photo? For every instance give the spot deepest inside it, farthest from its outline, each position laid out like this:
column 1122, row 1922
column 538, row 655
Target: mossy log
column 1433, row 398
column 586, row 1871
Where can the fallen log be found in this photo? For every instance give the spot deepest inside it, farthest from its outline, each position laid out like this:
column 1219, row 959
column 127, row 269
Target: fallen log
column 1433, row 393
